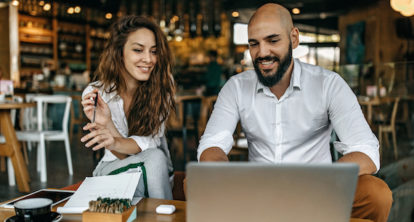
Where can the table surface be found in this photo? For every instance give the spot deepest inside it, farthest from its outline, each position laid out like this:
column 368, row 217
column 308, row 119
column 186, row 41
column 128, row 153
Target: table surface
column 15, row 105
column 146, row 212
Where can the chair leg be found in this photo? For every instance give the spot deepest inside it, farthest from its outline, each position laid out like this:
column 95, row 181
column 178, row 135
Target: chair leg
column 42, row 148
column 387, row 140
column 394, row 141
column 2, row 164
column 26, row 157
column 68, row 155
column 29, row 145
column 39, row 158
column 10, row 171
column 71, row 131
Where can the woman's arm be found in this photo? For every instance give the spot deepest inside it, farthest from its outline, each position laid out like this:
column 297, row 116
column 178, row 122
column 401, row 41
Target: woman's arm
column 100, row 136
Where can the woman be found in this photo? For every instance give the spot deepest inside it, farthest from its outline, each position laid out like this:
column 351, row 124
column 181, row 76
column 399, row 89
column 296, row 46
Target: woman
column 135, row 90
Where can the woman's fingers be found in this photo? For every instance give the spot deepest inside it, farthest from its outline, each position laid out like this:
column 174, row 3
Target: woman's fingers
column 91, row 126
column 100, row 138
column 106, row 142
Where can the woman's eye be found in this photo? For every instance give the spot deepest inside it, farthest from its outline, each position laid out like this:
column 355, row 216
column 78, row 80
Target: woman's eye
column 154, row 52
column 137, row 50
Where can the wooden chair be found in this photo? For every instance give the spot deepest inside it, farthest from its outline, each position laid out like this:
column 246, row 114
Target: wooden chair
column 389, row 108
column 79, row 119
column 207, row 105
column 182, row 125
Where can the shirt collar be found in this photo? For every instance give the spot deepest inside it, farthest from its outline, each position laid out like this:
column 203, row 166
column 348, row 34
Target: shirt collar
column 294, row 79
column 108, row 96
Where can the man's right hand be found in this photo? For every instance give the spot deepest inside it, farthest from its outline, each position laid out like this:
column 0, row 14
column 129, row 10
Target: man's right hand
column 213, row 154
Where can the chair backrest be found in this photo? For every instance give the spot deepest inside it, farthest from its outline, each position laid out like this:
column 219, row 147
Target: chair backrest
column 394, row 111
column 41, row 104
column 207, row 105
column 389, row 108
column 77, row 105
column 176, row 119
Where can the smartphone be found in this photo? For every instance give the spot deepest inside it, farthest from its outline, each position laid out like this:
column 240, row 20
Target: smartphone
column 57, row 196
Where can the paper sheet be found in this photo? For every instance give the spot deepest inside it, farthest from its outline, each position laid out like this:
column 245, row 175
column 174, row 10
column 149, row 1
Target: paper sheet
column 115, row 186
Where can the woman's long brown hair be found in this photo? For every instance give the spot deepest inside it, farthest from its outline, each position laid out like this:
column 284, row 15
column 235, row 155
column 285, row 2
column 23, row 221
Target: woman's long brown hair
column 153, row 99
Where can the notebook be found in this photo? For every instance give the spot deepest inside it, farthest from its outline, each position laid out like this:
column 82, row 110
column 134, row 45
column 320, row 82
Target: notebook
column 246, row 191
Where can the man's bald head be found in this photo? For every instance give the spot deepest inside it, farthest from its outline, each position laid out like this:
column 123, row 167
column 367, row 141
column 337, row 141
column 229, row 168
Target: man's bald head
column 270, row 10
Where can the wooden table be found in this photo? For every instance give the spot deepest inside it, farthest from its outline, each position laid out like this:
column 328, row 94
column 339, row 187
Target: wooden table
column 146, row 212
column 11, row 148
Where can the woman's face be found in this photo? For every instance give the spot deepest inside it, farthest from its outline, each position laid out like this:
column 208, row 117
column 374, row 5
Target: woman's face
column 140, row 54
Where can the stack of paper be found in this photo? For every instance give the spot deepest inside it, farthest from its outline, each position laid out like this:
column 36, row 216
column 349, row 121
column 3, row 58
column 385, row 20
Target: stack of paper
column 115, row 186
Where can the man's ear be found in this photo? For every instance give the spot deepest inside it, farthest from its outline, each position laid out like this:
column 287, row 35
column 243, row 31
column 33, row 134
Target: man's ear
column 294, row 37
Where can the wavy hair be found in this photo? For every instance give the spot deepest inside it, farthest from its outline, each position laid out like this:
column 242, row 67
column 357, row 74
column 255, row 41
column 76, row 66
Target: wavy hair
column 153, row 99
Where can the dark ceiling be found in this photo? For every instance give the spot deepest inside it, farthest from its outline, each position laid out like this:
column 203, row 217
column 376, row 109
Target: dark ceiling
column 322, row 14
column 317, row 14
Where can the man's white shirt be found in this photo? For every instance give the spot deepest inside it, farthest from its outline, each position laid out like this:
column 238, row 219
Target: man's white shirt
column 295, row 128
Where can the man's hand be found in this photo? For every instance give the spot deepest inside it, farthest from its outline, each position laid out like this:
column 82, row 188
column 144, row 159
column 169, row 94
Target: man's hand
column 210, row 154
column 366, row 166
column 213, row 154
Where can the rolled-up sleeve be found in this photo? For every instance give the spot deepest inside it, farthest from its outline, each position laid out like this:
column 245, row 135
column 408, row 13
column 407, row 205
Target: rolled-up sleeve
column 222, row 122
column 148, row 142
column 349, row 122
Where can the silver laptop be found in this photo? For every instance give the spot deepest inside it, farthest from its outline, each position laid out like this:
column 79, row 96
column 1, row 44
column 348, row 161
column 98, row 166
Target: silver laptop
column 246, row 191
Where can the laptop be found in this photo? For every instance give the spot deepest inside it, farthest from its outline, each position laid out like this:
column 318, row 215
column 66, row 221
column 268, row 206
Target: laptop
column 246, row 191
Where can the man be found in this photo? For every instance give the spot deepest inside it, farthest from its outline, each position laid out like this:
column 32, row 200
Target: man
column 213, row 75
column 287, row 110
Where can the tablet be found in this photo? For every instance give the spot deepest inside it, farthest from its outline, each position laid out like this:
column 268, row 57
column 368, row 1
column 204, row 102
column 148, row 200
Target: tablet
column 57, row 196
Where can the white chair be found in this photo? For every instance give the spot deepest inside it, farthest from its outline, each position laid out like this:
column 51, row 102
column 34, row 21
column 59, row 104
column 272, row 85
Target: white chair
column 42, row 134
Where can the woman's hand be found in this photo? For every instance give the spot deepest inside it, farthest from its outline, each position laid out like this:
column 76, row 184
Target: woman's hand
column 103, row 113
column 99, row 136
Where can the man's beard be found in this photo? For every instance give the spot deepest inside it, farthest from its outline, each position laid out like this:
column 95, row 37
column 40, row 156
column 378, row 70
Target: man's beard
column 274, row 78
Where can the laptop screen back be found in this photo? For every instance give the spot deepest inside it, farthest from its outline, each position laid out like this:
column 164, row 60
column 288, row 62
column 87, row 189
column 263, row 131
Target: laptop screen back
column 268, row 192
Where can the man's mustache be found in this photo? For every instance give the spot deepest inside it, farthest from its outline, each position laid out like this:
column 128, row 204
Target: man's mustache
column 267, row 58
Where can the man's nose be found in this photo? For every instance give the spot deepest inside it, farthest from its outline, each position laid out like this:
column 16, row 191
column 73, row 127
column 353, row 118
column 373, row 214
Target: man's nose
column 263, row 51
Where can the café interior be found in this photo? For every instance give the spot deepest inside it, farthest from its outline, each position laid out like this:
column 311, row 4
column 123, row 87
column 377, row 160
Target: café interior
column 53, row 48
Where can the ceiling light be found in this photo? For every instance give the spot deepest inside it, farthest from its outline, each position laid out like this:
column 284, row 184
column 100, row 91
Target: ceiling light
column 77, row 9
column 47, row 7
column 296, row 11
column 42, row 3
column 405, row 7
column 70, row 10
column 235, row 14
column 108, row 15
column 15, row 3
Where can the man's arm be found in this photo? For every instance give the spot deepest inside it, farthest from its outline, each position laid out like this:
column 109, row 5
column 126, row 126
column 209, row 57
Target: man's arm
column 357, row 142
column 213, row 154
column 221, row 125
column 366, row 166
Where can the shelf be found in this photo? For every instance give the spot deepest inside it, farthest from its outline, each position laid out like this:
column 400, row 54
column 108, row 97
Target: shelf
column 36, row 54
column 35, row 35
